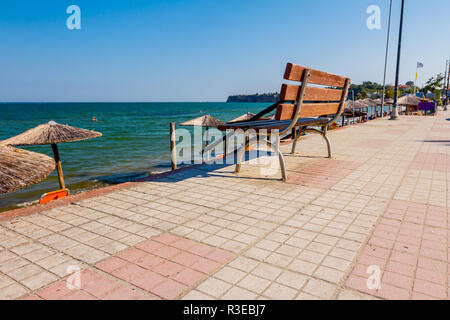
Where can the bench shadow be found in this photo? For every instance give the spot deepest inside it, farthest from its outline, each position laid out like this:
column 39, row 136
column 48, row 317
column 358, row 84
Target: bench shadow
column 210, row 169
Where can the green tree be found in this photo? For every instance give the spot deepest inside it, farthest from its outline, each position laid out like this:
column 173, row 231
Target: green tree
column 434, row 85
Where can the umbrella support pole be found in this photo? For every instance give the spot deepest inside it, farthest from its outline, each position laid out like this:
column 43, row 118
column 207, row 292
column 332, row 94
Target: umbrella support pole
column 58, row 166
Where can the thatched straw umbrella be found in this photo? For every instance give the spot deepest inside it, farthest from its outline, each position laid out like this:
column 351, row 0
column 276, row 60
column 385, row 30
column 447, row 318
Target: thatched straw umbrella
column 246, row 117
column 52, row 133
column 206, row 121
column 21, row 168
column 353, row 109
column 410, row 101
column 203, row 121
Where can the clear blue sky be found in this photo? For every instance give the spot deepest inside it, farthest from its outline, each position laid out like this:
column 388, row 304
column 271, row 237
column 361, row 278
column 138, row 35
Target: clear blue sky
column 204, row 50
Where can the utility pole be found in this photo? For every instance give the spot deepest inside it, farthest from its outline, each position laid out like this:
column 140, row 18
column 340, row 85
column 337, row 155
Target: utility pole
column 444, row 86
column 386, row 57
column 448, row 81
column 394, row 114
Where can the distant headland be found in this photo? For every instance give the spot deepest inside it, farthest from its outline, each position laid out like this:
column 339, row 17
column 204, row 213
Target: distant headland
column 258, row 97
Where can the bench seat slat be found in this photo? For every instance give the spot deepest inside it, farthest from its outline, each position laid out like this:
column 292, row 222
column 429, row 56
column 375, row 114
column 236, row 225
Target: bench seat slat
column 294, row 72
column 289, row 92
column 271, row 124
column 286, row 111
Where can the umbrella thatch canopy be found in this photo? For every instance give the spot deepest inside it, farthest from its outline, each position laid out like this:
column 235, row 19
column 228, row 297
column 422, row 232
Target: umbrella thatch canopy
column 410, row 100
column 203, row 121
column 52, row 133
column 351, row 105
column 369, row 102
column 386, row 101
column 246, row 117
column 21, row 168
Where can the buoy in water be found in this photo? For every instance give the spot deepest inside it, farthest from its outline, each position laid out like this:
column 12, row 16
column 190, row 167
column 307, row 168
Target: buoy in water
column 94, row 119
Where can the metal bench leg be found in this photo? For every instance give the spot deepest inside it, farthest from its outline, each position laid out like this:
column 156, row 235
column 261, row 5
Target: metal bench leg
column 312, row 130
column 282, row 161
column 324, row 135
column 297, row 137
column 241, row 153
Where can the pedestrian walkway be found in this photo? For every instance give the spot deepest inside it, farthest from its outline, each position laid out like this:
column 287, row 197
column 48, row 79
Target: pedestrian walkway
column 371, row 223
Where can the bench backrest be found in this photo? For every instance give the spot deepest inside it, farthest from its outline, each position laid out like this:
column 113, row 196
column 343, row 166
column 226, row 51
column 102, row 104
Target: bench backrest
column 309, row 101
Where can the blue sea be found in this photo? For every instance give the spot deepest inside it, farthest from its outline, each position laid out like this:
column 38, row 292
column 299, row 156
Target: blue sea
column 135, row 140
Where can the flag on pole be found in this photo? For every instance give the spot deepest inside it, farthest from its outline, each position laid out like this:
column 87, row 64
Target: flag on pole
column 419, row 65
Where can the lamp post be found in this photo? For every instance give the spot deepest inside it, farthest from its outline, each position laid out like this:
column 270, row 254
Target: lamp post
column 444, row 86
column 448, row 80
column 394, row 114
column 353, row 101
column 386, row 58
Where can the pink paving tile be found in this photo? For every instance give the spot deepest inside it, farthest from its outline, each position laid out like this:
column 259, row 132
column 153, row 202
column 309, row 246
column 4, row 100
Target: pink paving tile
column 186, row 259
column 360, row 270
column 131, row 255
column 429, row 288
column 100, row 287
column 409, row 239
column 128, row 272
column 148, row 280
column 377, row 144
column 183, row 244
column 403, row 258
column 360, row 284
column 174, row 265
column 123, row 293
column 206, row 266
column 432, row 276
column 166, row 252
column 401, row 268
column 433, row 254
column 393, row 293
column 380, row 242
column 31, row 297
column 93, row 285
column 189, row 277
column 418, row 263
column 371, row 260
column 166, row 238
column 220, row 256
column 433, row 265
column 111, row 264
column 168, row 268
column 149, row 261
column 421, row 296
column 201, row 249
column 54, row 291
column 77, row 295
column 149, row 245
column 397, row 280
column 378, row 252
column 87, row 276
column 169, row 289
column 323, row 173
column 406, row 248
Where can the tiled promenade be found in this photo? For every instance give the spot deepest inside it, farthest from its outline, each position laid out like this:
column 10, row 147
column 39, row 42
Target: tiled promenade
column 381, row 204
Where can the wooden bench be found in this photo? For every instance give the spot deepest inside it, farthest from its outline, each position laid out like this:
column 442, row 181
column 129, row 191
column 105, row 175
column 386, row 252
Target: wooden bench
column 301, row 109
